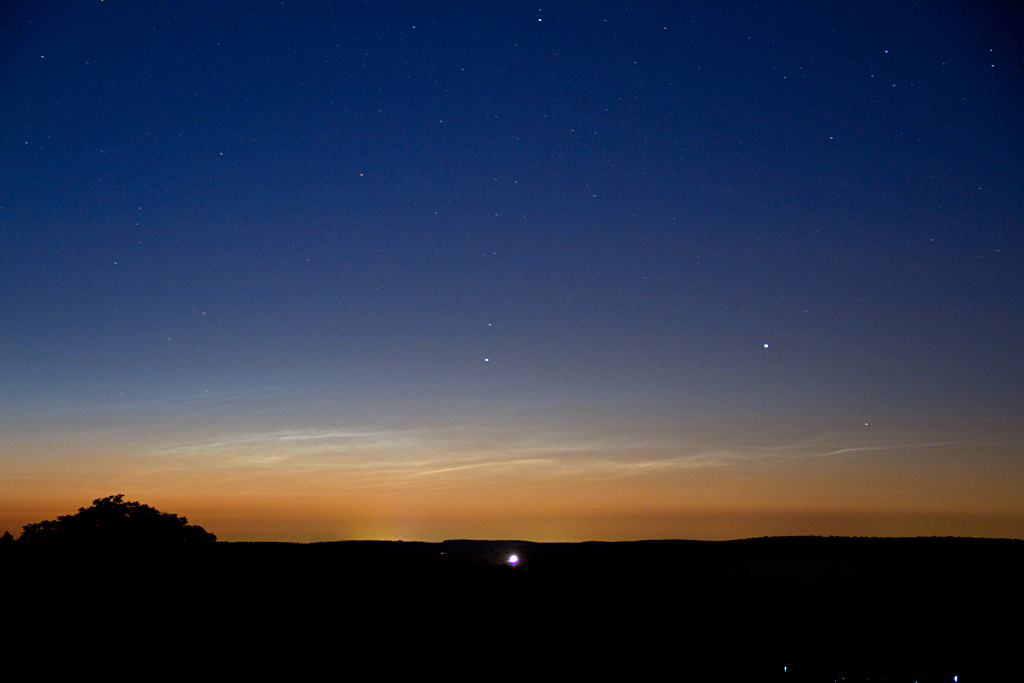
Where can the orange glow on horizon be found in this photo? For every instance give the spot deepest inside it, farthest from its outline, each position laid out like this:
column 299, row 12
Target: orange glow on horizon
column 320, row 485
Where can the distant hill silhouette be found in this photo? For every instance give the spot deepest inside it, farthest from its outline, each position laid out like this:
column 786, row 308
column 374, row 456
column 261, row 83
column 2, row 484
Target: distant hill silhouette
column 798, row 609
column 114, row 521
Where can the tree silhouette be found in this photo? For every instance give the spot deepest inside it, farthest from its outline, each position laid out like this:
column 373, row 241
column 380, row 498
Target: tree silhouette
column 112, row 521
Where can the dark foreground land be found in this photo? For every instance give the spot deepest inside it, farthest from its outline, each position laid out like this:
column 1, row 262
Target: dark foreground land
column 794, row 609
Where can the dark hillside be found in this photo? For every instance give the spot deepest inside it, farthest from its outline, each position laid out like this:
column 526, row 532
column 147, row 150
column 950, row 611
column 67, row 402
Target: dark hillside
column 770, row 608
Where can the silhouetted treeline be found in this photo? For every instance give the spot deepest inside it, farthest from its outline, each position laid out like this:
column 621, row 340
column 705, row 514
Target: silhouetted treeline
column 113, row 521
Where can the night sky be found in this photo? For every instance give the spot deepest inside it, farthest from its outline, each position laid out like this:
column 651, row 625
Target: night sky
column 551, row 271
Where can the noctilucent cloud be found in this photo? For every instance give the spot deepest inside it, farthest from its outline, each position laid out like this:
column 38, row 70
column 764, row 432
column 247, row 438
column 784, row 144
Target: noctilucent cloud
column 317, row 271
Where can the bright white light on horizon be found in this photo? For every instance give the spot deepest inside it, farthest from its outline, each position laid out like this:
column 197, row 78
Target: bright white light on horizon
column 513, row 560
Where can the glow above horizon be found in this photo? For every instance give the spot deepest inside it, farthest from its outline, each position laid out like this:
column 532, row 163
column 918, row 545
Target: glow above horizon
column 591, row 278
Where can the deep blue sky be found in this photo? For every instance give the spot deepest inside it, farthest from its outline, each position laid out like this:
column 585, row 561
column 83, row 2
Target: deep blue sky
column 368, row 213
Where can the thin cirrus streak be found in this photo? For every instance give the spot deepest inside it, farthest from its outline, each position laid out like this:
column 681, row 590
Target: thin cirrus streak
column 444, row 470
column 457, row 454
column 420, row 452
column 889, row 447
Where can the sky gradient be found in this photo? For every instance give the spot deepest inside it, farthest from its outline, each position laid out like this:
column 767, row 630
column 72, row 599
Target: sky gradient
column 558, row 271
